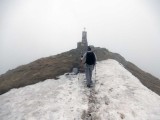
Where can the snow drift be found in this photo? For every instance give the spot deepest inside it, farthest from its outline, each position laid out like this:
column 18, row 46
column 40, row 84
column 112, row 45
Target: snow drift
column 116, row 95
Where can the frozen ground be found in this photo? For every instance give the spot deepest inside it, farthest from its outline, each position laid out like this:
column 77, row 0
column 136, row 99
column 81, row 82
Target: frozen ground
column 117, row 95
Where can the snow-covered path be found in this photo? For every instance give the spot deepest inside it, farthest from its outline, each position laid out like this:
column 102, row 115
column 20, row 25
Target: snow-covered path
column 117, row 95
column 120, row 95
column 63, row 99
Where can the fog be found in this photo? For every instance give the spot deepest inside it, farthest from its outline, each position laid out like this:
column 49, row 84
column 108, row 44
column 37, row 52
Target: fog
column 31, row 29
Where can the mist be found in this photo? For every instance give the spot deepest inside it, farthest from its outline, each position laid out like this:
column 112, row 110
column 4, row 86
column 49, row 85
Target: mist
column 33, row 29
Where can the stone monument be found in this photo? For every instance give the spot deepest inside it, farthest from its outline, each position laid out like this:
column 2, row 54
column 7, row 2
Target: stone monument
column 83, row 44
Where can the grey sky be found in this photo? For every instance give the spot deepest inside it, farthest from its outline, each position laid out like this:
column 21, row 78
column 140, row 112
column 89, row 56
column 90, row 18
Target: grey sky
column 31, row 29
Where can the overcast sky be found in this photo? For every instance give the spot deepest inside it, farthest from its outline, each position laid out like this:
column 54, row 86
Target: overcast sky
column 31, row 29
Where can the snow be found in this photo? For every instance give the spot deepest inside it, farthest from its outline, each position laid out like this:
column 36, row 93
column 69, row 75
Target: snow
column 48, row 100
column 116, row 95
column 121, row 95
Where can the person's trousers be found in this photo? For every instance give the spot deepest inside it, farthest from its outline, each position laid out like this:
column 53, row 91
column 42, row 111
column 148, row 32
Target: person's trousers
column 88, row 72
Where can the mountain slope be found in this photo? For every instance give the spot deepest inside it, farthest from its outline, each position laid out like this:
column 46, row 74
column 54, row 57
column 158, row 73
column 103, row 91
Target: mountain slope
column 53, row 66
column 117, row 94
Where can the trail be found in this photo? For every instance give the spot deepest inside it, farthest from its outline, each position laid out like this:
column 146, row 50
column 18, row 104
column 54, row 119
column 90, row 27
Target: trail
column 116, row 95
column 90, row 113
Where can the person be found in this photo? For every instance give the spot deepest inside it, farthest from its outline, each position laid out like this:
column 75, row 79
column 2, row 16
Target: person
column 89, row 59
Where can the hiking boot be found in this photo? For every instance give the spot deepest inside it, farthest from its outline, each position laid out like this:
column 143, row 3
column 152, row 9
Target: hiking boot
column 88, row 86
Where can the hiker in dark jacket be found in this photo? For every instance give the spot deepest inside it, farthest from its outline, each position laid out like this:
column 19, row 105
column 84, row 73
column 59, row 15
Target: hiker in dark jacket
column 89, row 59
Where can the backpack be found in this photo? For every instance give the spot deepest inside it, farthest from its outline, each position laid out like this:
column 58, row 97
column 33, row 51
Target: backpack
column 90, row 58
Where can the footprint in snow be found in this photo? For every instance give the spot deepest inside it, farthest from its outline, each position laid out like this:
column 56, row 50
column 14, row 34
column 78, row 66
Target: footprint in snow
column 70, row 83
column 111, row 89
column 107, row 101
column 122, row 116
